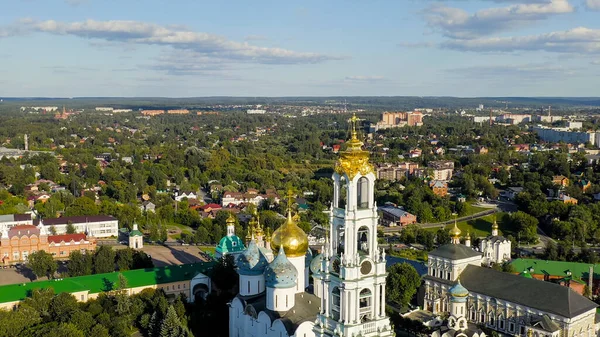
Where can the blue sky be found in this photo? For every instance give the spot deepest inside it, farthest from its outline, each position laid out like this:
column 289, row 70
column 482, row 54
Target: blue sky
column 184, row 48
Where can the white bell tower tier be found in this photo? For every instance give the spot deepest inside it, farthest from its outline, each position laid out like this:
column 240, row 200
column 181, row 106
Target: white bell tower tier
column 351, row 278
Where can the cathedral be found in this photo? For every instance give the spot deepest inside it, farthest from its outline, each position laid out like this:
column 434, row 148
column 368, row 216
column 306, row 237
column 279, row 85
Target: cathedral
column 462, row 296
column 347, row 295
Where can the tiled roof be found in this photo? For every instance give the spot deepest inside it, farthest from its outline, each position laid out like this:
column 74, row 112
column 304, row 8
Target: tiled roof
column 454, row 251
column 21, row 230
column 66, row 237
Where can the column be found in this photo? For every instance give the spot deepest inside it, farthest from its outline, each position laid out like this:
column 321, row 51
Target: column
column 382, row 313
column 342, row 302
column 356, row 307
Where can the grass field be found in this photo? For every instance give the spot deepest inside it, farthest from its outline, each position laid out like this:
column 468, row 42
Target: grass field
column 474, row 209
column 483, row 226
column 208, row 249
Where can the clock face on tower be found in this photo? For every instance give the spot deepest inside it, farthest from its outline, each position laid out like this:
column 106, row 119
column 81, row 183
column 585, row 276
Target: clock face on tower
column 335, row 266
column 366, row 267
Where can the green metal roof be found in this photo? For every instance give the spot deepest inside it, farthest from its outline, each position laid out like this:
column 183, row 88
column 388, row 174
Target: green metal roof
column 230, row 244
column 106, row 282
column 557, row 268
column 135, row 232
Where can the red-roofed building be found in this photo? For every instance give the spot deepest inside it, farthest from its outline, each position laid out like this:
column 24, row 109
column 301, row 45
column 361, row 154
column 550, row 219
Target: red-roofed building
column 20, row 241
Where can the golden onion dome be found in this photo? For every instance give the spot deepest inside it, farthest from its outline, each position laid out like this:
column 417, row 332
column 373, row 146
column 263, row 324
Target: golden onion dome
column 455, row 231
column 354, row 159
column 291, row 237
column 231, row 219
column 495, row 225
column 468, row 237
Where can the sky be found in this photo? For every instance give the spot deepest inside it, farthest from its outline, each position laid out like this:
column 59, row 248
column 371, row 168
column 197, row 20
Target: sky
column 194, row 48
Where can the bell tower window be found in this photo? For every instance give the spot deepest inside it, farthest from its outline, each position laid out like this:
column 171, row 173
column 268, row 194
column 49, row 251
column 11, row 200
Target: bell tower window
column 342, row 193
column 365, row 304
column 362, row 190
column 335, row 303
column 363, row 240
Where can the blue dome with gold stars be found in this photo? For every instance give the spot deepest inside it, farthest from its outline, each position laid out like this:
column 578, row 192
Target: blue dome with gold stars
column 252, row 261
column 281, row 273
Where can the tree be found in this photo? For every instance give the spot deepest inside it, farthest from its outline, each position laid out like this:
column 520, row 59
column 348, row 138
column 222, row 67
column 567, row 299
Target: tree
column 99, row 331
column 402, row 283
column 80, row 264
column 224, row 274
column 171, row 325
column 42, row 264
column 71, row 228
column 526, row 226
column 82, row 206
column 125, row 258
column 62, row 306
column 52, row 230
column 104, row 260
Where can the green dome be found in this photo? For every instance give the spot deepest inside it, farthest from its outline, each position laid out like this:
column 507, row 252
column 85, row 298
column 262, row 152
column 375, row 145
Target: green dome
column 230, row 244
column 526, row 274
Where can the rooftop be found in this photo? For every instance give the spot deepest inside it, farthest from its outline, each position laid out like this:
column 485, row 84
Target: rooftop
column 104, row 282
column 78, row 219
column 454, row 252
column 545, row 296
column 557, row 268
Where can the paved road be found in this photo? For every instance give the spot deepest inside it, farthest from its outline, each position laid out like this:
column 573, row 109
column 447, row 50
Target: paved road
column 444, row 223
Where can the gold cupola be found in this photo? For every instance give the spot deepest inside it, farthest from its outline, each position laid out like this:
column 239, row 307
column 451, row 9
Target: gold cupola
column 354, row 159
column 289, row 236
column 455, row 231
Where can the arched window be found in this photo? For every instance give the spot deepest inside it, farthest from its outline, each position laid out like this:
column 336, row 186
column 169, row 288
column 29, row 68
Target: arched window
column 335, row 303
column 365, row 302
column 343, row 186
column 362, row 193
column 363, row 240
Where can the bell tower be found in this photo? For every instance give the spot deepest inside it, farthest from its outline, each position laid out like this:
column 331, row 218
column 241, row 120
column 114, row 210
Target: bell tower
column 351, row 278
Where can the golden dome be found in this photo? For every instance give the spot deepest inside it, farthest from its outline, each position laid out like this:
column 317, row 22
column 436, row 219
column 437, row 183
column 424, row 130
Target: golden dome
column 468, row 237
column 495, row 225
column 455, row 232
column 291, row 237
column 354, row 159
column 231, row 219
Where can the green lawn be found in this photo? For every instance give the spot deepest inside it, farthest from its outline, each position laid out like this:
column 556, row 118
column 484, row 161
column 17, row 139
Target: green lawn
column 208, row 249
column 483, row 226
column 474, row 209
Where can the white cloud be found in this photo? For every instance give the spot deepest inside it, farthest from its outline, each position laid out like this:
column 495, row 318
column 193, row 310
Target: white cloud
column 458, row 23
column 255, row 38
column 363, row 78
column 415, row 44
column 207, row 44
column 525, row 72
column 593, row 4
column 576, row 40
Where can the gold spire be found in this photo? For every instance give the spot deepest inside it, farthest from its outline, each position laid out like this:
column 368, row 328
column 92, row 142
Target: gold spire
column 354, row 159
column 455, row 231
column 495, row 225
column 468, row 237
column 289, row 236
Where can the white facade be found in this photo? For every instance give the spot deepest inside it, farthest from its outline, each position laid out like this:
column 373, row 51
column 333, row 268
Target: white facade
column 97, row 226
column 10, row 220
column 555, row 135
column 495, row 250
column 352, row 277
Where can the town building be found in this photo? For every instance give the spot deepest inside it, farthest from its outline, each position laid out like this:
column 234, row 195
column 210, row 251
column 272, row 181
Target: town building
column 555, row 135
column 441, row 169
column 256, row 111
column 152, row 112
column 507, row 303
column 439, row 188
column 396, row 172
column 514, row 118
column 188, row 279
column 560, row 180
column 348, row 293
column 18, row 242
column 10, row 220
column 250, row 197
column 98, row 226
column 495, row 247
column 398, row 119
column 390, row 215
